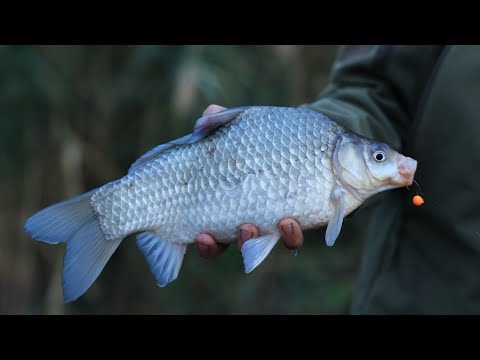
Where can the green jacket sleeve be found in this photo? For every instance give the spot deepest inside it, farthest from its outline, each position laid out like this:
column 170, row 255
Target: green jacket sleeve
column 375, row 90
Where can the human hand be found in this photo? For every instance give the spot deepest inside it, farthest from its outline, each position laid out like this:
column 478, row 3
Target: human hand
column 290, row 229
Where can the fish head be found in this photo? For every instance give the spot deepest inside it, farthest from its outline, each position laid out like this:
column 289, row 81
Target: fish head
column 365, row 167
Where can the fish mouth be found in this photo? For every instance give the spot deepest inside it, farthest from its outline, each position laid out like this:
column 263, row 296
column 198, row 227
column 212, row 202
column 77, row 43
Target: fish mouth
column 405, row 172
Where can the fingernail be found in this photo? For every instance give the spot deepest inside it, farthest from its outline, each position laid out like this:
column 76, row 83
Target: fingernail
column 245, row 235
column 203, row 247
column 288, row 229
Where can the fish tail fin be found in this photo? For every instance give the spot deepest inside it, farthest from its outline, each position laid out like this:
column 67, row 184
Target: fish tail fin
column 87, row 250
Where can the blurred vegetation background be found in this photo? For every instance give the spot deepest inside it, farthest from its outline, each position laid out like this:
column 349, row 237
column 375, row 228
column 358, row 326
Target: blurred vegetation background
column 75, row 117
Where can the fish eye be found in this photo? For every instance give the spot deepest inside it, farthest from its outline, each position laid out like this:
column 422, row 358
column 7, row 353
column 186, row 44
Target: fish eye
column 379, row 154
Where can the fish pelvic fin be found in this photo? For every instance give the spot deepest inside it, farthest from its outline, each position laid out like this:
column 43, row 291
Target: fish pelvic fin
column 75, row 223
column 254, row 251
column 336, row 221
column 164, row 257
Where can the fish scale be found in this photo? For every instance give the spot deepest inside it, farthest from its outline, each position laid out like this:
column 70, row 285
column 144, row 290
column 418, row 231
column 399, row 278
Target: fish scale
column 188, row 190
column 254, row 165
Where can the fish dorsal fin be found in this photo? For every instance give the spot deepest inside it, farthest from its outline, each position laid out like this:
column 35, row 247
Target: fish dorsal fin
column 255, row 250
column 209, row 123
column 149, row 155
column 164, row 257
column 203, row 127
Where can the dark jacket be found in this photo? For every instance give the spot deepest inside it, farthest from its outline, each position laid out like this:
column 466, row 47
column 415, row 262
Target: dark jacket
column 425, row 102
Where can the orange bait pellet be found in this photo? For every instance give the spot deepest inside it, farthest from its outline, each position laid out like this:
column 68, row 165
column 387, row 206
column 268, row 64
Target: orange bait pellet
column 417, row 200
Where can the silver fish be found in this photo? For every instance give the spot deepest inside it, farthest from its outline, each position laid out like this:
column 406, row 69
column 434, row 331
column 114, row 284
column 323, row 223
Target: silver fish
column 242, row 165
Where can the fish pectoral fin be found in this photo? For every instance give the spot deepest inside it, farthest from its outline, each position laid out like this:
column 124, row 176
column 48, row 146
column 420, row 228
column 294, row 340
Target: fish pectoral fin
column 335, row 223
column 254, row 251
column 164, row 257
column 203, row 127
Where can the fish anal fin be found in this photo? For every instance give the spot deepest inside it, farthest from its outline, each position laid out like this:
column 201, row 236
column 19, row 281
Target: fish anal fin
column 164, row 257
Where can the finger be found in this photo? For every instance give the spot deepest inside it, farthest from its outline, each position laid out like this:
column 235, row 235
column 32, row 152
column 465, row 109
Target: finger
column 246, row 232
column 208, row 248
column 291, row 233
column 212, row 109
